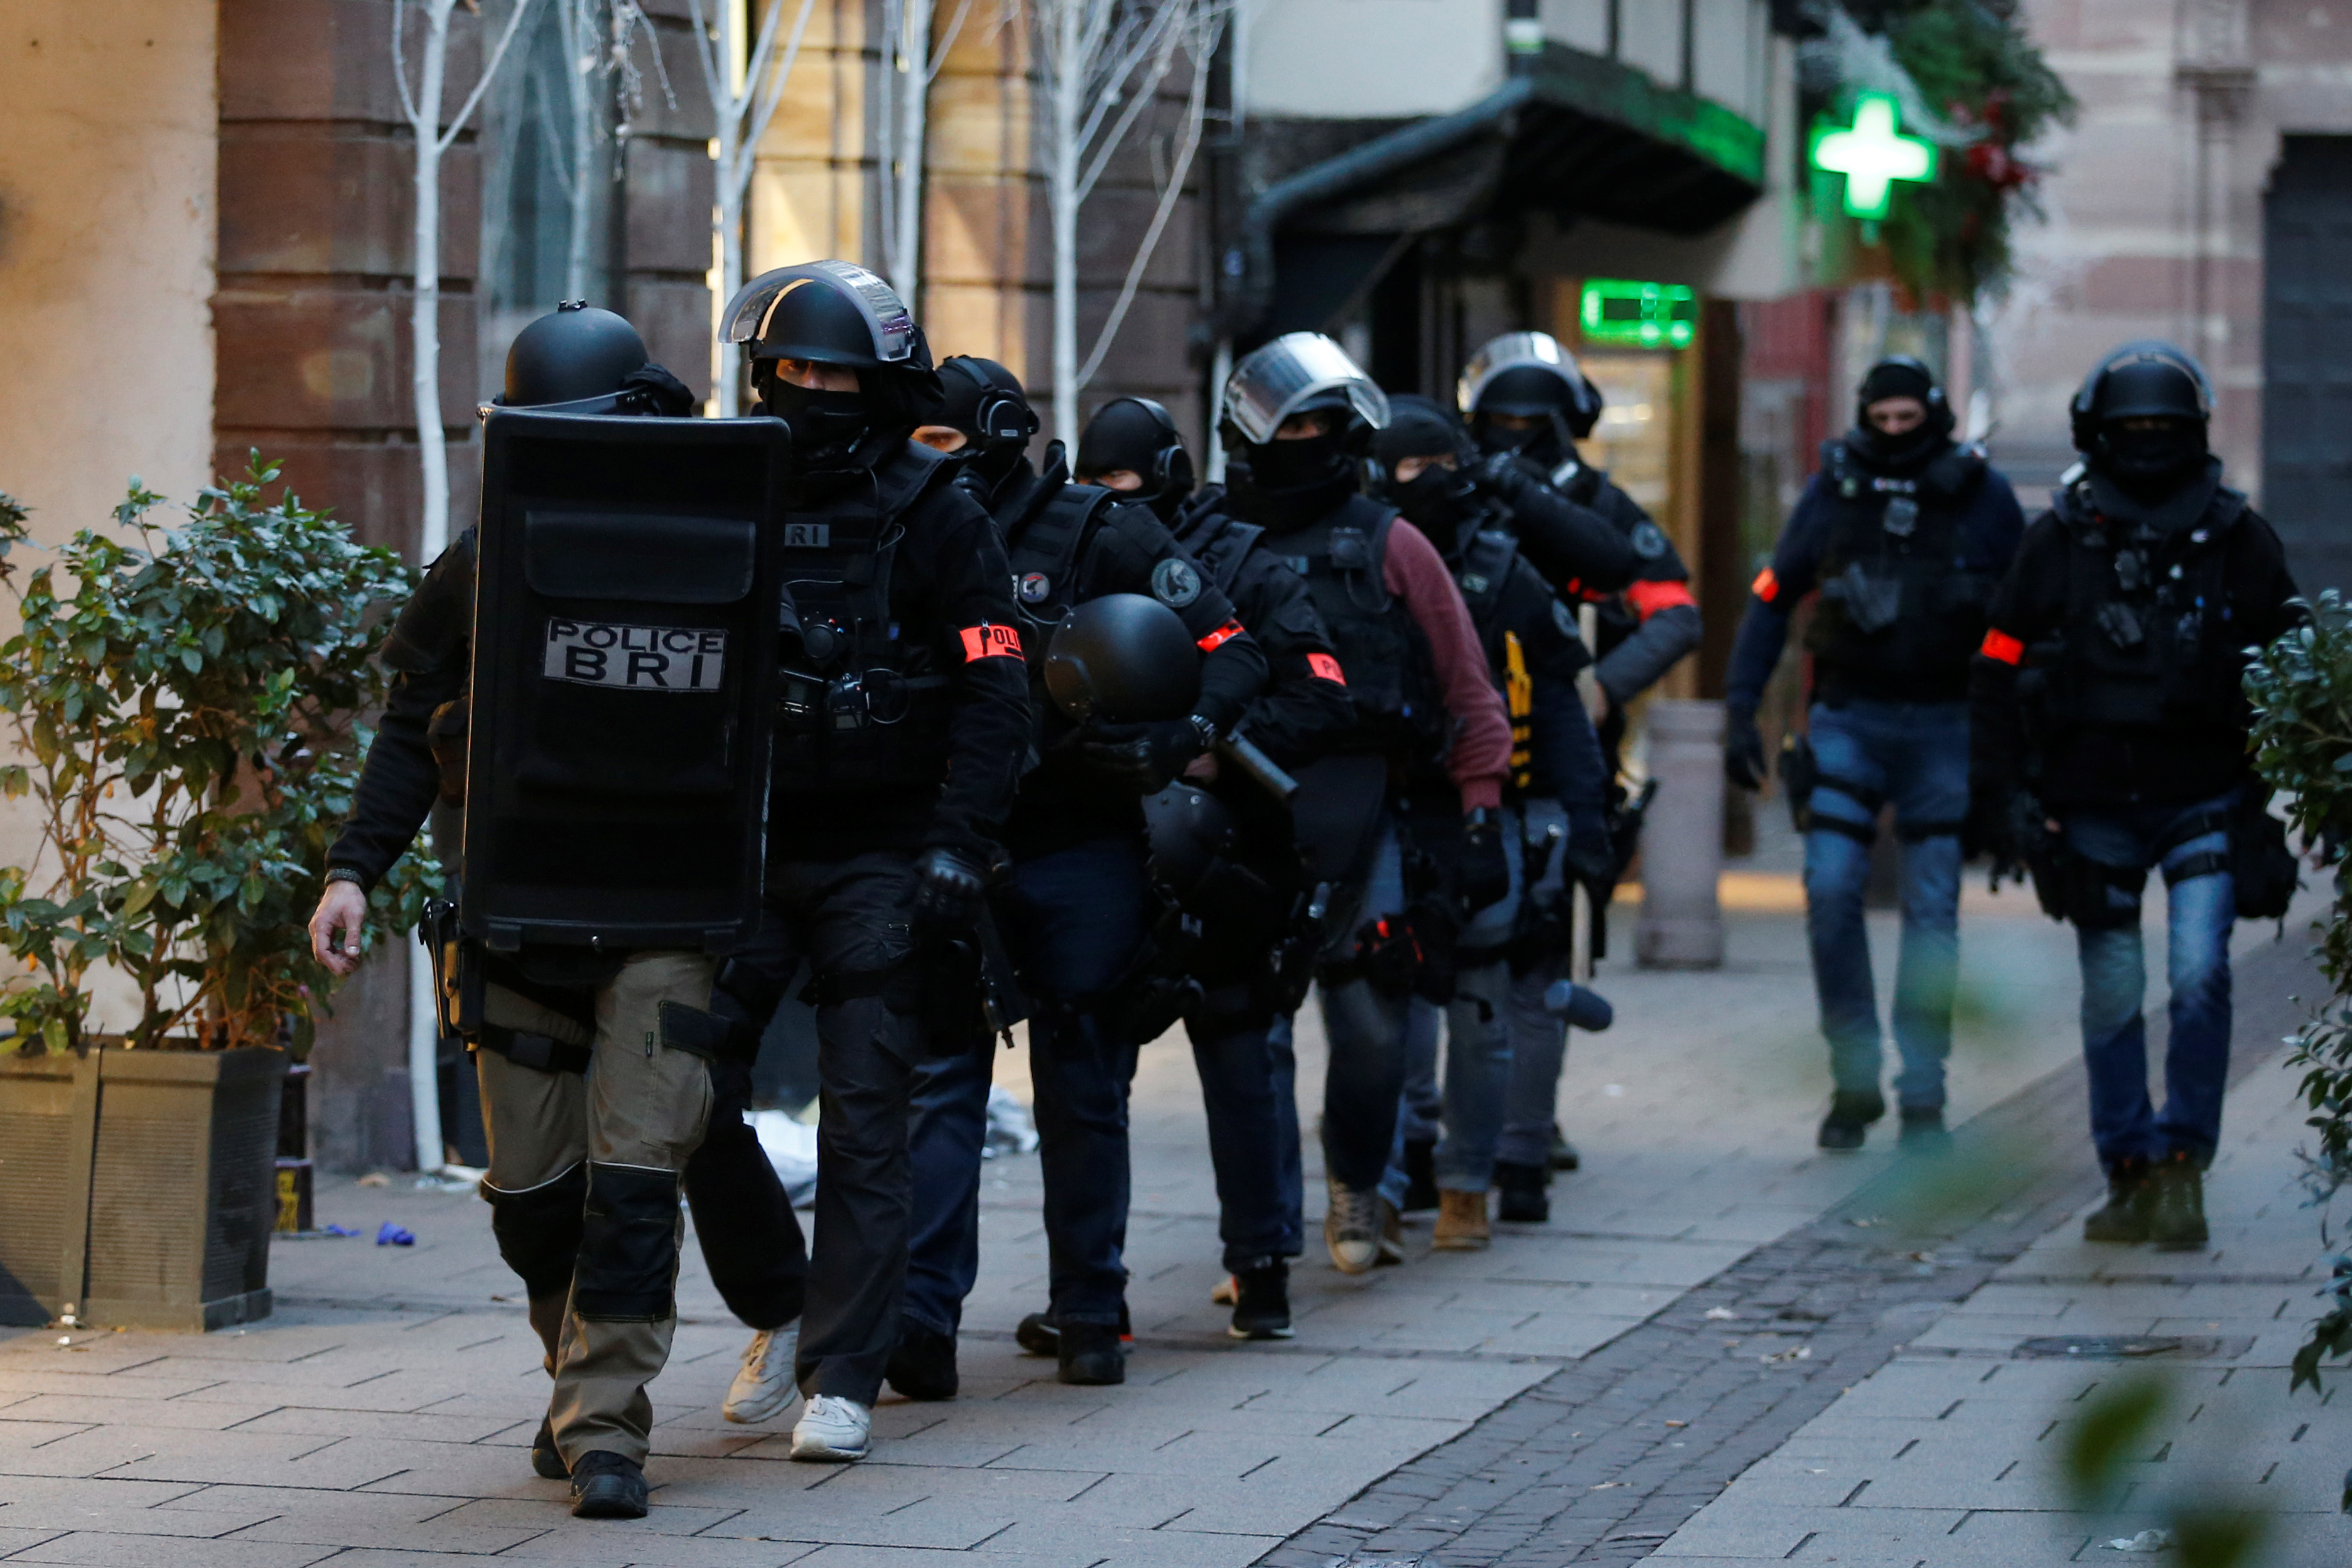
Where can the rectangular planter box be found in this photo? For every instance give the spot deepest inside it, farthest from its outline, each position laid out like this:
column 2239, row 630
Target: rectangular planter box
column 141, row 1187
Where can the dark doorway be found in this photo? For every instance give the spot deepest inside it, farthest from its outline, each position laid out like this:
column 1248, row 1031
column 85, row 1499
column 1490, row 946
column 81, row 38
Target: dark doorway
column 2307, row 359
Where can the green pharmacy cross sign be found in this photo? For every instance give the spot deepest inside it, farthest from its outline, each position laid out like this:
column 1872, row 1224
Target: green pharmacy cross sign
column 1645, row 315
column 1871, row 155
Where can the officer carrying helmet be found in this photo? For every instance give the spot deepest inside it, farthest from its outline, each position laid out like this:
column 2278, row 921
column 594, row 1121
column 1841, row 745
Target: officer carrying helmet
column 2110, row 740
column 1903, row 532
column 1075, row 895
column 1224, row 852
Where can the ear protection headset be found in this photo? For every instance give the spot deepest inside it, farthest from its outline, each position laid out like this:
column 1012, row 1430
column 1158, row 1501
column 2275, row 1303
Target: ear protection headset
column 1172, row 466
column 999, row 416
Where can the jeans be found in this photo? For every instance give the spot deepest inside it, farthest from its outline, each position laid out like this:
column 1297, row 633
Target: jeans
column 1915, row 755
column 1539, row 1041
column 1477, row 1052
column 1365, row 1029
column 1247, row 1095
column 2124, row 1127
column 1073, row 921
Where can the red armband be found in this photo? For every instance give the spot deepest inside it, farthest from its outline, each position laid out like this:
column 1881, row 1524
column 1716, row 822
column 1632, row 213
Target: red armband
column 2003, row 648
column 1221, row 636
column 1766, row 587
column 1324, row 667
column 1648, row 598
column 987, row 642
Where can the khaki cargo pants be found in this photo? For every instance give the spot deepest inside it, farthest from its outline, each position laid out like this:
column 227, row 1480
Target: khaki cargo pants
column 617, row 1139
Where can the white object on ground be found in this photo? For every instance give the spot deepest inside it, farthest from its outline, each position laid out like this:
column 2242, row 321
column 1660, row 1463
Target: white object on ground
column 1012, row 1129
column 764, row 1386
column 2146, row 1540
column 790, row 1147
column 832, row 1429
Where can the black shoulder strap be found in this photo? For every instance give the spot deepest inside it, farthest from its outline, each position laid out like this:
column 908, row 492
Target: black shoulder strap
column 1229, row 550
column 909, row 476
column 1050, row 543
column 1486, row 570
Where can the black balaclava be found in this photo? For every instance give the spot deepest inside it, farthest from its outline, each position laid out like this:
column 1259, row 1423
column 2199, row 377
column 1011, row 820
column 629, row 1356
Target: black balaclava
column 827, row 426
column 1130, row 433
column 2171, row 450
column 1901, row 376
column 964, row 380
column 1439, row 501
column 1287, row 485
column 1527, row 392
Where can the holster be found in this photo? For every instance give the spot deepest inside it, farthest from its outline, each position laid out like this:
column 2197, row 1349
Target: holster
column 1799, row 774
column 1542, row 930
column 457, row 972
column 2264, row 870
column 2074, row 887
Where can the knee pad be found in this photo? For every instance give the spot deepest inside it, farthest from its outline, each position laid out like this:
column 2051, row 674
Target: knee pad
column 628, row 1246
column 537, row 1231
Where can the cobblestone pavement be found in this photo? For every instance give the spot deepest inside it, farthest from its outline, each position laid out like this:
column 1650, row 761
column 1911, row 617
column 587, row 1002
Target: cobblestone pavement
column 1853, row 1384
column 379, row 1419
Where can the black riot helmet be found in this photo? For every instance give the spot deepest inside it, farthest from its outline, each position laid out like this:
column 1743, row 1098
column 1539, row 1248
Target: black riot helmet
column 831, row 313
column 1137, row 435
column 2143, row 416
column 1189, row 831
column 575, row 354
column 1528, row 376
column 1287, row 484
column 1124, row 658
column 1901, row 375
column 1440, row 498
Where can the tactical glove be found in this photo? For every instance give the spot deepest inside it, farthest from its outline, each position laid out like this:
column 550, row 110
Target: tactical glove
column 1502, row 476
column 1743, row 752
column 1146, row 758
column 1590, row 855
column 1485, row 876
column 662, row 392
column 949, row 885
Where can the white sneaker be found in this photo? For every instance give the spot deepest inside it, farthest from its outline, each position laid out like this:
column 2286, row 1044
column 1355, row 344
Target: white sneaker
column 832, row 1429
column 1352, row 1229
column 763, row 1385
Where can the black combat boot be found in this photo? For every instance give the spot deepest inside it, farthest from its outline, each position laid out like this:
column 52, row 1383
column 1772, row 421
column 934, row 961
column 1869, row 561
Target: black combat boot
column 1924, row 1131
column 606, row 1486
column 1040, row 1334
column 1262, row 1303
column 2176, row 1210
column 1850, row 1112
column 546, row 1458
column 1523, row 1198
column 2124, row 1217
column 1419, row 1175
column 1091, row 1354
column 923, row 1363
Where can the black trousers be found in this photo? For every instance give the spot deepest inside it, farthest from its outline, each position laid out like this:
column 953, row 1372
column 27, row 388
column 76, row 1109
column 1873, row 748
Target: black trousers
column 750, row 1237
column 849, row 920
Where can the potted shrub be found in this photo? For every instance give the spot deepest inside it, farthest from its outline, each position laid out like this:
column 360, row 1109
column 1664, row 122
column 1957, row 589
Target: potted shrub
column 186, row 704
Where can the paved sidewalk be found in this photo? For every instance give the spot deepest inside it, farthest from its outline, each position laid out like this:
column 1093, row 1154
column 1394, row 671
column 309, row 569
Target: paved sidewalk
column 379, row 1419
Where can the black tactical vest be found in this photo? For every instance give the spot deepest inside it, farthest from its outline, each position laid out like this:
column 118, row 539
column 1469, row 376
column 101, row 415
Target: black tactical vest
column 860, row 704
column 1223, row 553
column 1392, row 675
column 2149, row 640
column 1901, row 613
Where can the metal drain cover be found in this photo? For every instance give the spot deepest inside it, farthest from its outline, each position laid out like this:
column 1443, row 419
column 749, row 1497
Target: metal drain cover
column 2127, row 1347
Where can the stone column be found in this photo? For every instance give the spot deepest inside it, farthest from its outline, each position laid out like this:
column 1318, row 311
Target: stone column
column 1682, row 843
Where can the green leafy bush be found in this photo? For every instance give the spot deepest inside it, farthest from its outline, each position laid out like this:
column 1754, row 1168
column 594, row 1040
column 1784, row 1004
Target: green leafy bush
column 186, row 703
column 2301, row 686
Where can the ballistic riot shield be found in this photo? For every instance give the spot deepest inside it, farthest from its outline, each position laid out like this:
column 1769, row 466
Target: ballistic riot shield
column 625, row 656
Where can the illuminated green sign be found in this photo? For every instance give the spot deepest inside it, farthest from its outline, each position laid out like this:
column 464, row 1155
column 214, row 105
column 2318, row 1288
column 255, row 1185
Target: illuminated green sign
column 1871, row 155
column 1647, row 315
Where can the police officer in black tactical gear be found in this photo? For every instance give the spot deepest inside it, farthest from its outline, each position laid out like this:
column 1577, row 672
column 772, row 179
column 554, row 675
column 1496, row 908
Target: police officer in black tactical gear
column 2110, row 740
column 1401, row 814
column 533, row 1051
column 1555, row 802
column 900, row 732
column 575, row 360
column 1072, row 907
column 1904, row 532
column 1528, row 405
column 1223, row 848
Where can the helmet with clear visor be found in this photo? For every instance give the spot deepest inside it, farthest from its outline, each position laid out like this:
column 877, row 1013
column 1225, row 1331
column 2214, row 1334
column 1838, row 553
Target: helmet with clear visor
column 1297, row 372
column 1527, row 375
column 830, row 313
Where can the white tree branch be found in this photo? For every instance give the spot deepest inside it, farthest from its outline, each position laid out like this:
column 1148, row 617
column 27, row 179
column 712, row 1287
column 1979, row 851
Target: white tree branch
column 482, row 84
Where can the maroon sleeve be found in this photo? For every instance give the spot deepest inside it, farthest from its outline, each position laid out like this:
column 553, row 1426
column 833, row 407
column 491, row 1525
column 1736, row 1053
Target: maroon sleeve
column 1416, row 573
